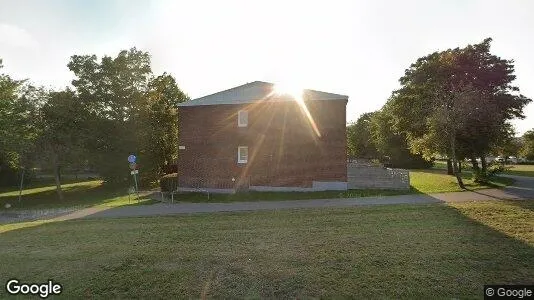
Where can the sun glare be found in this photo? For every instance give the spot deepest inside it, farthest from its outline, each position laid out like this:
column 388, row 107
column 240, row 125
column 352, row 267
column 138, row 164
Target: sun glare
column 288, row 90
column 298, row 95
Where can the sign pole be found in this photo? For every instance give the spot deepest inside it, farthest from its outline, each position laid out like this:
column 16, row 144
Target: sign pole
column 131, row 160
column 21, row 182
column 136, row 189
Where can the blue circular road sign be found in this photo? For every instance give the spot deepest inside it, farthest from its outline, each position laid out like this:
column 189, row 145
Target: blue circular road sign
column 131, row 158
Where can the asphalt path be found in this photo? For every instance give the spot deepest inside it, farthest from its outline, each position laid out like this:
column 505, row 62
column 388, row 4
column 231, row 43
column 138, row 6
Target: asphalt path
column 522, row 189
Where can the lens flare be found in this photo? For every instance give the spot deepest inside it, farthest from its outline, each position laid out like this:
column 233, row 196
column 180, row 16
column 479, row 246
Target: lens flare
column 298, row 95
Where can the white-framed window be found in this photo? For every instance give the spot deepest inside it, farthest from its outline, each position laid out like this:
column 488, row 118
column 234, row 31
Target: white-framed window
column 242, row 118
column 242, row 154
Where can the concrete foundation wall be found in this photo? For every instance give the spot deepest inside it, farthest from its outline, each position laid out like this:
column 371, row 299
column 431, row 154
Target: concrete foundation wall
column 317, row 186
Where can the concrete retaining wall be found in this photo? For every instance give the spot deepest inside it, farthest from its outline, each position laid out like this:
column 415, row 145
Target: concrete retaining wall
column 376, row 177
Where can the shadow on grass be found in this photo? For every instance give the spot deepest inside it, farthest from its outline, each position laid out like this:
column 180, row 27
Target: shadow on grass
column 43, row 182
column 83, row 194
column 375, row 250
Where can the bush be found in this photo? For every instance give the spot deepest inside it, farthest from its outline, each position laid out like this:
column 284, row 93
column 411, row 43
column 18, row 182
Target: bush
column 496, row 168
column 493, row 169
column 169, row 182
column 409, row 161
column 480, row 177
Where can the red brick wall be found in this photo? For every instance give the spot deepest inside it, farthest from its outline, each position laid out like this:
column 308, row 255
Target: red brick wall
column 283, row 148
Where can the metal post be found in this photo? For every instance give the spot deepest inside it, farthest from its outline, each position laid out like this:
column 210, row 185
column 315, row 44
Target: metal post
column 21, row 182
column 136, row 189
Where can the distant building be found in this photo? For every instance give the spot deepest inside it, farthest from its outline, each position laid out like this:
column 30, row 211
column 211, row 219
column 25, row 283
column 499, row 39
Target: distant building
column 251, row 137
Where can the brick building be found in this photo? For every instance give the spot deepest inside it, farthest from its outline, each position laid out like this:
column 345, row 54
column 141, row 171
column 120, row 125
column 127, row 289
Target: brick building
column 253, row 137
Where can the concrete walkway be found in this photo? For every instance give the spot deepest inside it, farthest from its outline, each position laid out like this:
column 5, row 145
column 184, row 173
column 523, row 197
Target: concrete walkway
column 523, row 188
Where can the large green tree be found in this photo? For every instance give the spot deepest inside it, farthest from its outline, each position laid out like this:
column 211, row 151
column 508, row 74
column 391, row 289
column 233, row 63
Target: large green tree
column 457, row 102
column 392, row 146
column 359, row 140
column 61, row 138
column 110, row 91
column 19, row 103
column 159, row 135
column 371, row 137
column 130, row 111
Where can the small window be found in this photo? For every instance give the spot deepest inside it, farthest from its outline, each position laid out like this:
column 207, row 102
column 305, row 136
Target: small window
column 242, row 154
column 242, row 118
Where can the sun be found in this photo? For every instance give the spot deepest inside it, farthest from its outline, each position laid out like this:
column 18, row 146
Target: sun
column 285, row 89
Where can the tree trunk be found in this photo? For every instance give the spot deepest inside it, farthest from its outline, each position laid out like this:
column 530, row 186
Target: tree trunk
column 57, row 177
column 459, row 166
column 449, row 167
column 455, row 162
column 474, row 163
column 483, row 163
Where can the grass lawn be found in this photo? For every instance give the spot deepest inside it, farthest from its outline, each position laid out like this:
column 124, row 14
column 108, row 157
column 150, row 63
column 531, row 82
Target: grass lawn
column 521, row 170
column 396, row 251
column 93, row 193
column 79, row 194
column 437, row 181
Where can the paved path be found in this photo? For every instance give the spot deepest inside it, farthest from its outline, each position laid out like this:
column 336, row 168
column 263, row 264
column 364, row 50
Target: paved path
column 523, row 188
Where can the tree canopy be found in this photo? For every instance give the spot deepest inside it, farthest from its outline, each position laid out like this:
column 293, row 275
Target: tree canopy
column 130, row 111
column 115, row 108
column 457, row 102
column 371, row 137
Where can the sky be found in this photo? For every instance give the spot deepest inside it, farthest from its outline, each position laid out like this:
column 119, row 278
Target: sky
column 355, row 48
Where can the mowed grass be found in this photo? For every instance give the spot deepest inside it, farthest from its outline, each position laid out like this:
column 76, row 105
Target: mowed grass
column 398, row 251
column 76, row 194
column 437, row 181
column 521, row 170
column 93, row 193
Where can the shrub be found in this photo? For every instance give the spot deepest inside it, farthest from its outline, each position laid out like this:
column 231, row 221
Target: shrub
column 409, row 161
column 493, row 169
column 169, row 182
column 496, row 168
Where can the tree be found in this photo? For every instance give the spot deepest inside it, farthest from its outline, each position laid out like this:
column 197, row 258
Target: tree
column 391, row 146
column 128, row 111
column 359, row 140
column 159, row 116
column 457, row 102
column 60, row 140
column 510, row 147
column 110, row 92
column 19, row 103
column 527, row 150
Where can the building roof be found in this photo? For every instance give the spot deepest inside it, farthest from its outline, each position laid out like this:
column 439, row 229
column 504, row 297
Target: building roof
column 254, row 92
